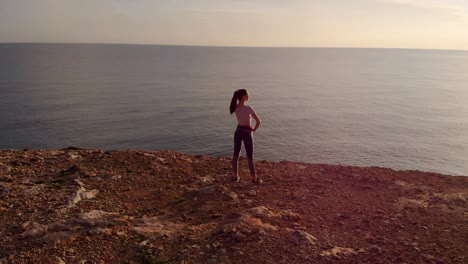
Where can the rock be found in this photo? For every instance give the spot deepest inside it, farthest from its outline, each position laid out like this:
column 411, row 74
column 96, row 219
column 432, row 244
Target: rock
column 25, row 224
column 374, row 249
column 336, row 251
column 290, row 215
column 6, row 178
column 212, row 259
column 97, row 217
column 103, row 231
column 71, row 171
column 34, row 229
column 77, row 197
column 73, row 148
column 239, row 236
column 116, row 177
column 239, row 253
column 251, row 221
column 207, row 179
column 428, row 257
column 74, row 156
column 157, row 225
column 120, row 233
column 89, row 194
column 143, row 243
column 35, row 190
column 59, row 236
column 459, row 201
column 234, row 197
column 262, row 233
column 252, row 193
column 261, row 212
column 304, row 237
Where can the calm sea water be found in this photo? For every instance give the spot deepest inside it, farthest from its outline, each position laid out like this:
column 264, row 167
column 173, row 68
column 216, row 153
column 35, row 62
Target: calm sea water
column 404, row 109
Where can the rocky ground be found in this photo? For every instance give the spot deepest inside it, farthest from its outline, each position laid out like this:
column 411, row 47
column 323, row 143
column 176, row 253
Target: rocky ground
column 91, row 206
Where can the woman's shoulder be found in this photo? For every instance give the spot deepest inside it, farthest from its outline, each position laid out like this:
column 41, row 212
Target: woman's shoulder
column 251, row 109
column 247, row 108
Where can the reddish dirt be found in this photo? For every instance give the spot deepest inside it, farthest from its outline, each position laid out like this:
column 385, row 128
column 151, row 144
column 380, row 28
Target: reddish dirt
column 135, row 206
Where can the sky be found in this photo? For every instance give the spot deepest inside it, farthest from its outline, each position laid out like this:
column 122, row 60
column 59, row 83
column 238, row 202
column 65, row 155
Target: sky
column 419, row 24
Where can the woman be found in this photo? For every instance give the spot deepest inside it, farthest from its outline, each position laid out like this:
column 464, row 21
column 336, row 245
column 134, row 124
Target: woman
column 244, row 133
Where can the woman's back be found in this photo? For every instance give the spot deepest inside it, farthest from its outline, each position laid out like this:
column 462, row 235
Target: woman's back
column 243, row 114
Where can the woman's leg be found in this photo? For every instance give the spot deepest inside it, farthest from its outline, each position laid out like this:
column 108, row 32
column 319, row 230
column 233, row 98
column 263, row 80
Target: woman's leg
column 236, row 155
column 249, row 149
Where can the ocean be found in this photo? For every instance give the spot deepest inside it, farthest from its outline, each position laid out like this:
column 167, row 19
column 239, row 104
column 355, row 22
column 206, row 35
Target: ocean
column 398, row 108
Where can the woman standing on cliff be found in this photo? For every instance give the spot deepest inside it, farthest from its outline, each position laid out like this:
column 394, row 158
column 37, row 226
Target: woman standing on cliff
column 244, row 133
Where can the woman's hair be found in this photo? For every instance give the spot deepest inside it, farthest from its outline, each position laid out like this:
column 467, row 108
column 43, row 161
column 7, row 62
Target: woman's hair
column 236, row 97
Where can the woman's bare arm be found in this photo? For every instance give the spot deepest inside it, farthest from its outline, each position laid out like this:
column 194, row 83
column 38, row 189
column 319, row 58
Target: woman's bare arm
column 257, row 122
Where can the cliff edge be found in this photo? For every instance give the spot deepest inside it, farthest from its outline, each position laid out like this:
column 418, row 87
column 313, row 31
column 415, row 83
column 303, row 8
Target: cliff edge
column 90, row 206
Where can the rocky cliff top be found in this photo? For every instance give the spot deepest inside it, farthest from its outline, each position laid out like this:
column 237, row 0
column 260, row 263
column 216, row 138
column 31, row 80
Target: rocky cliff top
column 90, row 206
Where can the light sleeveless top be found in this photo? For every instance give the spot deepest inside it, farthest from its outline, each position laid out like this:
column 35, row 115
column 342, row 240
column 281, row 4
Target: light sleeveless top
column 244, row 115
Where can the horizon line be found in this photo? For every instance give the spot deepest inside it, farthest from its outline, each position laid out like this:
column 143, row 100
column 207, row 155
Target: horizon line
column 228, row 46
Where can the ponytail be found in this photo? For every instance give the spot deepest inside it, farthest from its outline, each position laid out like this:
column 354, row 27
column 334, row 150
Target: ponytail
column 234, row 99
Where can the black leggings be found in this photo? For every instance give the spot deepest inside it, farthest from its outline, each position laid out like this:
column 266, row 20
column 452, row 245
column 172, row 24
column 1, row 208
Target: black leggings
column 243, row 134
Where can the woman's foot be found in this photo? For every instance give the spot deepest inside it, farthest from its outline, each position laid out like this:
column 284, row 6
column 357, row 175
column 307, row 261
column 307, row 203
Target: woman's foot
column 257, row 180
column 236, row 179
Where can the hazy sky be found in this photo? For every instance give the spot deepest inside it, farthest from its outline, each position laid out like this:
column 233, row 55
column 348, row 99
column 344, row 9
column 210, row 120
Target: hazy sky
column 439, row 24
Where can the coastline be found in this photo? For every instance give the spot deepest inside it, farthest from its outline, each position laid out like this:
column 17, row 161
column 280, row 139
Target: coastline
column 138, row 206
